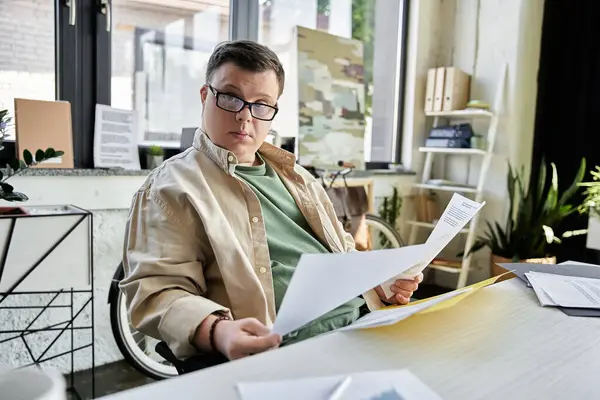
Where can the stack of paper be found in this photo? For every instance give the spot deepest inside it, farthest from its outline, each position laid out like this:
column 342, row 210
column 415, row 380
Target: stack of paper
column 323, row 282
column 567, row 268
column 565, row 291
column 376, row 385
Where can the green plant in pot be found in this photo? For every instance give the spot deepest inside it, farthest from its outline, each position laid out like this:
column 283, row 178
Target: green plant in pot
column 390, row 211
column 16, row 166
column 533, row 221
column 155, row 156
column 591, row 202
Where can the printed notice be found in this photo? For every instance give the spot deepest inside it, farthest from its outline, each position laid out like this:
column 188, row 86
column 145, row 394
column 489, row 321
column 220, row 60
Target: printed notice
column 116, row 138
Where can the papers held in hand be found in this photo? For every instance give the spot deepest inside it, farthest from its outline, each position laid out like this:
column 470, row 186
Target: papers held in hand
column 323, row 282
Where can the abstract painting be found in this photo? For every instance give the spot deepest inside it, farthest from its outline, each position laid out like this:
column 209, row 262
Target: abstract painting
column 331, row 99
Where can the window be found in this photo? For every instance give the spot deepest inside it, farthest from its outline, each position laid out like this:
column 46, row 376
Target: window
column 150, row 56
column 27, row 53
column 382, row 52
column 160, row 49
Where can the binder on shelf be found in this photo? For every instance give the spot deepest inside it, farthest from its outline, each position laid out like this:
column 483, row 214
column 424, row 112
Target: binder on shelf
column 456, row 89
column 438, row 99
column 430, row 89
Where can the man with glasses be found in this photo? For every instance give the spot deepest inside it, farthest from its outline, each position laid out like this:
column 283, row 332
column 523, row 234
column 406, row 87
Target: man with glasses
column 214, row 234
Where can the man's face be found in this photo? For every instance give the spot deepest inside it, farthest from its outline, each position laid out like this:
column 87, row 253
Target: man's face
column 238, row 132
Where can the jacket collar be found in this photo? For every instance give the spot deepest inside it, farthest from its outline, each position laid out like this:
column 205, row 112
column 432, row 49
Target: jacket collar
column 227, row 160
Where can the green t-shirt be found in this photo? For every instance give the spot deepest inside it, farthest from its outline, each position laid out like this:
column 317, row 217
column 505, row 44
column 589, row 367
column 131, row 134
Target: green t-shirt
column 289, row 236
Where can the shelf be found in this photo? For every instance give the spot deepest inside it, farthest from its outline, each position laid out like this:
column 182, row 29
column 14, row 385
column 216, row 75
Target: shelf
column 431, row 225
column 446, row 150
column 471, row 113
column 447, row 188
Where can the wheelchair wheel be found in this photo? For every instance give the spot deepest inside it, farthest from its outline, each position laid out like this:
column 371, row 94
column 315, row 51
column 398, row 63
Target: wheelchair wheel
column 137, row 348
column 382, row 234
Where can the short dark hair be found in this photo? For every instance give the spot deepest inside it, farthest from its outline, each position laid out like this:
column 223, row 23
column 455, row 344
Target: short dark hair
column 248, row 55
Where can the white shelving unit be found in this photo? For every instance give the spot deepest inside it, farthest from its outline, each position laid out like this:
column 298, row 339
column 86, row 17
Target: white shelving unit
column 484, row 155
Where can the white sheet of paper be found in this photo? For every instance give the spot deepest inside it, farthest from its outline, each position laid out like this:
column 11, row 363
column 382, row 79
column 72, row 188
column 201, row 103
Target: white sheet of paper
column 116, row 138
column 542, row 296
column 393, row 315
column 459, row 211
column 567, row 291
column 323, row 282
column 364, row 386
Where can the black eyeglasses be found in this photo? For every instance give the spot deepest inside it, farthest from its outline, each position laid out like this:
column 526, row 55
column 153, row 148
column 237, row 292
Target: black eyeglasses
column 234, row 104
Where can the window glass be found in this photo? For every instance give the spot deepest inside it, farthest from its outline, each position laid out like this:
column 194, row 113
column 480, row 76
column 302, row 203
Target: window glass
column 160, row 49
column 27, row 49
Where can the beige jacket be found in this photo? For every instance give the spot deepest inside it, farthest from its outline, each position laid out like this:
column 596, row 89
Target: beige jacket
column 195, row 242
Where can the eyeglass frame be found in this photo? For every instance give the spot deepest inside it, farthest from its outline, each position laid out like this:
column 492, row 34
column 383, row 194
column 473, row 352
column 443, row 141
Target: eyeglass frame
column 245, row 103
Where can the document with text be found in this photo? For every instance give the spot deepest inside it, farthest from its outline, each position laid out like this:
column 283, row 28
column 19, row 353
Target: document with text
column 456, row 216
column 323, row 282
column 565, row 291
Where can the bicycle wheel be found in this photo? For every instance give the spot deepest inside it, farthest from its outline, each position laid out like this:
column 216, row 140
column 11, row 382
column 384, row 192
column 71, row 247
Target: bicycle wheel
column 137, row 348
column 382, row 234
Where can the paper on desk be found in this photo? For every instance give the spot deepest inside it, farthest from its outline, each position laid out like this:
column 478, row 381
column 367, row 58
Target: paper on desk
column 323, row 282
column 391, row 316
column 459, row 211
column 568, row 268
column 376, row 385
column 565, row 291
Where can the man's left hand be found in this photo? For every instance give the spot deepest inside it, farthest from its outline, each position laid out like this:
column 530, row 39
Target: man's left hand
column 403, row 290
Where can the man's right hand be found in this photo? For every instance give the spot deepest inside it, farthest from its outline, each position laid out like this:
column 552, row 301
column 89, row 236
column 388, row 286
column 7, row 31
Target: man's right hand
column 244, row 337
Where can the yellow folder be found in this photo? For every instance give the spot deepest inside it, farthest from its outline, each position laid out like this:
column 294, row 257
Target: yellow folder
column 452, row 300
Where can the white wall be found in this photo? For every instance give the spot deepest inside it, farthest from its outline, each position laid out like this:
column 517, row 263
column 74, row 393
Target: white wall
column 478, row 37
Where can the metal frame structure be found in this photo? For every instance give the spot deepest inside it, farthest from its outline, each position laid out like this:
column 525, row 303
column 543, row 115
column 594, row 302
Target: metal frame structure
column 60, row 327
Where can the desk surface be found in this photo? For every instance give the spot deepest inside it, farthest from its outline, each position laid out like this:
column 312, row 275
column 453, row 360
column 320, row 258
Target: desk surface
column 496, row 344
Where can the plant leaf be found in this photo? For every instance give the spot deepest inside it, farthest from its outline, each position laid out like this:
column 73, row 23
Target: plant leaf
column 27, row 157
column 49, row 153
column 15, row 196
column 6, row 188
column 14, row 164
column 40, row 155
column 570, row 192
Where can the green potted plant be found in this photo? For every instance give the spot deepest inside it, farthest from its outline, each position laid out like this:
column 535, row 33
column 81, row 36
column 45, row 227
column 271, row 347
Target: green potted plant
column 16, row 166
column 591, row 206
column 390, row 210
column 591, row 202
column 155, row 156
column 533, row 221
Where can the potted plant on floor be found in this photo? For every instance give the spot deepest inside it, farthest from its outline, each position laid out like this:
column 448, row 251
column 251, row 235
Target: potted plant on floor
column 591, row 205
column 533, row 221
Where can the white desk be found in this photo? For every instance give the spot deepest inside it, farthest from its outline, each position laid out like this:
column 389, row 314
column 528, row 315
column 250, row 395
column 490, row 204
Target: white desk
column 496, row 344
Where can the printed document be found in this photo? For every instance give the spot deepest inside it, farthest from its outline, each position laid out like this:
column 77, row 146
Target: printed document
column 323, row 282
column 372, row 385
column 565, row 291
column 458, row 213
column 393, row 315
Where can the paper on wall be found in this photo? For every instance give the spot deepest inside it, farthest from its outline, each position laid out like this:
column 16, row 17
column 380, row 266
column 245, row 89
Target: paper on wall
column 459, row 211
